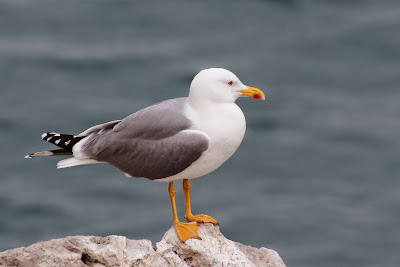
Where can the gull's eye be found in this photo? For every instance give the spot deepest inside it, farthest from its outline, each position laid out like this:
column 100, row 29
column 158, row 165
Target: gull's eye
column 230, row 83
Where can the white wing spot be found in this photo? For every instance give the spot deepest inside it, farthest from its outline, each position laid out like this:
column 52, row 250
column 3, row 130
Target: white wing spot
column 48, row 139
column 57, row 141
column 57, row 135
column 197, row 132
column 67, row 143
column 44, row 135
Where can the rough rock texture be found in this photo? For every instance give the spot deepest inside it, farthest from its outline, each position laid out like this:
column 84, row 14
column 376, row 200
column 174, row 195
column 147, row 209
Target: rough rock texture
column 213, row 250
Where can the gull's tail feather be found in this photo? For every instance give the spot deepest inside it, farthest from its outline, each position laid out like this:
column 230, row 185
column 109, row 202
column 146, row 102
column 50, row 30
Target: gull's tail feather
column 65, row 141
column 71, row 162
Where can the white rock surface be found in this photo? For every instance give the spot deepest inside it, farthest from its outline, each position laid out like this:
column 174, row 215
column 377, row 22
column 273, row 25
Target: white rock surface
column 213, row 250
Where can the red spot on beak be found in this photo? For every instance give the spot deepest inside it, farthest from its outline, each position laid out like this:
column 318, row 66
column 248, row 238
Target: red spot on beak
column 257, row 96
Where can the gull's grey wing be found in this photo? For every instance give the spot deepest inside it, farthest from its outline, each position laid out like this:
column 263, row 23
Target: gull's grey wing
column 99, row 129
column 151, row 143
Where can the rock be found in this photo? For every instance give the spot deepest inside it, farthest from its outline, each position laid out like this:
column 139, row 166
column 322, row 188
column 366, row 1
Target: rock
column 213, row 250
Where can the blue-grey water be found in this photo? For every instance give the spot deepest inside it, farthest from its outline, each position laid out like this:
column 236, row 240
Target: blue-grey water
column 317, row 175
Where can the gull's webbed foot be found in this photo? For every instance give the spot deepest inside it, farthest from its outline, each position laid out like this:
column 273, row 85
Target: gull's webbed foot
column 201, row 218
column 186, row 231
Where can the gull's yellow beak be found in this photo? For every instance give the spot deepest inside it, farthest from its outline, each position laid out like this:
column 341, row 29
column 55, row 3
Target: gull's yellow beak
column 253, row 92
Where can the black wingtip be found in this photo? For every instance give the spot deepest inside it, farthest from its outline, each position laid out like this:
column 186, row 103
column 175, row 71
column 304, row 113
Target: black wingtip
column 65, row 141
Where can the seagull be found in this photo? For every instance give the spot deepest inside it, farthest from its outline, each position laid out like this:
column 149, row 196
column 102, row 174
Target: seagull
column 176, row 139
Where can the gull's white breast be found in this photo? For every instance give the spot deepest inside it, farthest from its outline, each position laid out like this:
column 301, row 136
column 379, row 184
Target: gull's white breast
column 225, row 125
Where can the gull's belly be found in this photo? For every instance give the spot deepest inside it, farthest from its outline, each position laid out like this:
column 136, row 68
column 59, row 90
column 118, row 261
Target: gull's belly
column 218, row 153
column 226, row 132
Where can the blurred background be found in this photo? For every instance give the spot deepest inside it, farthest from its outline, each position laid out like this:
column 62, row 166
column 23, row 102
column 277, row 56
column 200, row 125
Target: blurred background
column 324, row 187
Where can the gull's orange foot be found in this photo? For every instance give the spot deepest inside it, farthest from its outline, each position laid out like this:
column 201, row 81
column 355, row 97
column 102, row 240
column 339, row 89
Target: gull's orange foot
column 201, row 218
column 186, row 231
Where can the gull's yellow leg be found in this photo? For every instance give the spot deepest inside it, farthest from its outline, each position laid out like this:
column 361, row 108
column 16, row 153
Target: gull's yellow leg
column 201, row 218
column 183, row 230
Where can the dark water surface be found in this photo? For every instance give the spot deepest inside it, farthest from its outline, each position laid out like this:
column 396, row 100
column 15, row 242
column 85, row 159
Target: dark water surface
column 317, row 175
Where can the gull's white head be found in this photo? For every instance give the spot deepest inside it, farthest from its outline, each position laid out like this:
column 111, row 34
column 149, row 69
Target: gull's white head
column 221, row 86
